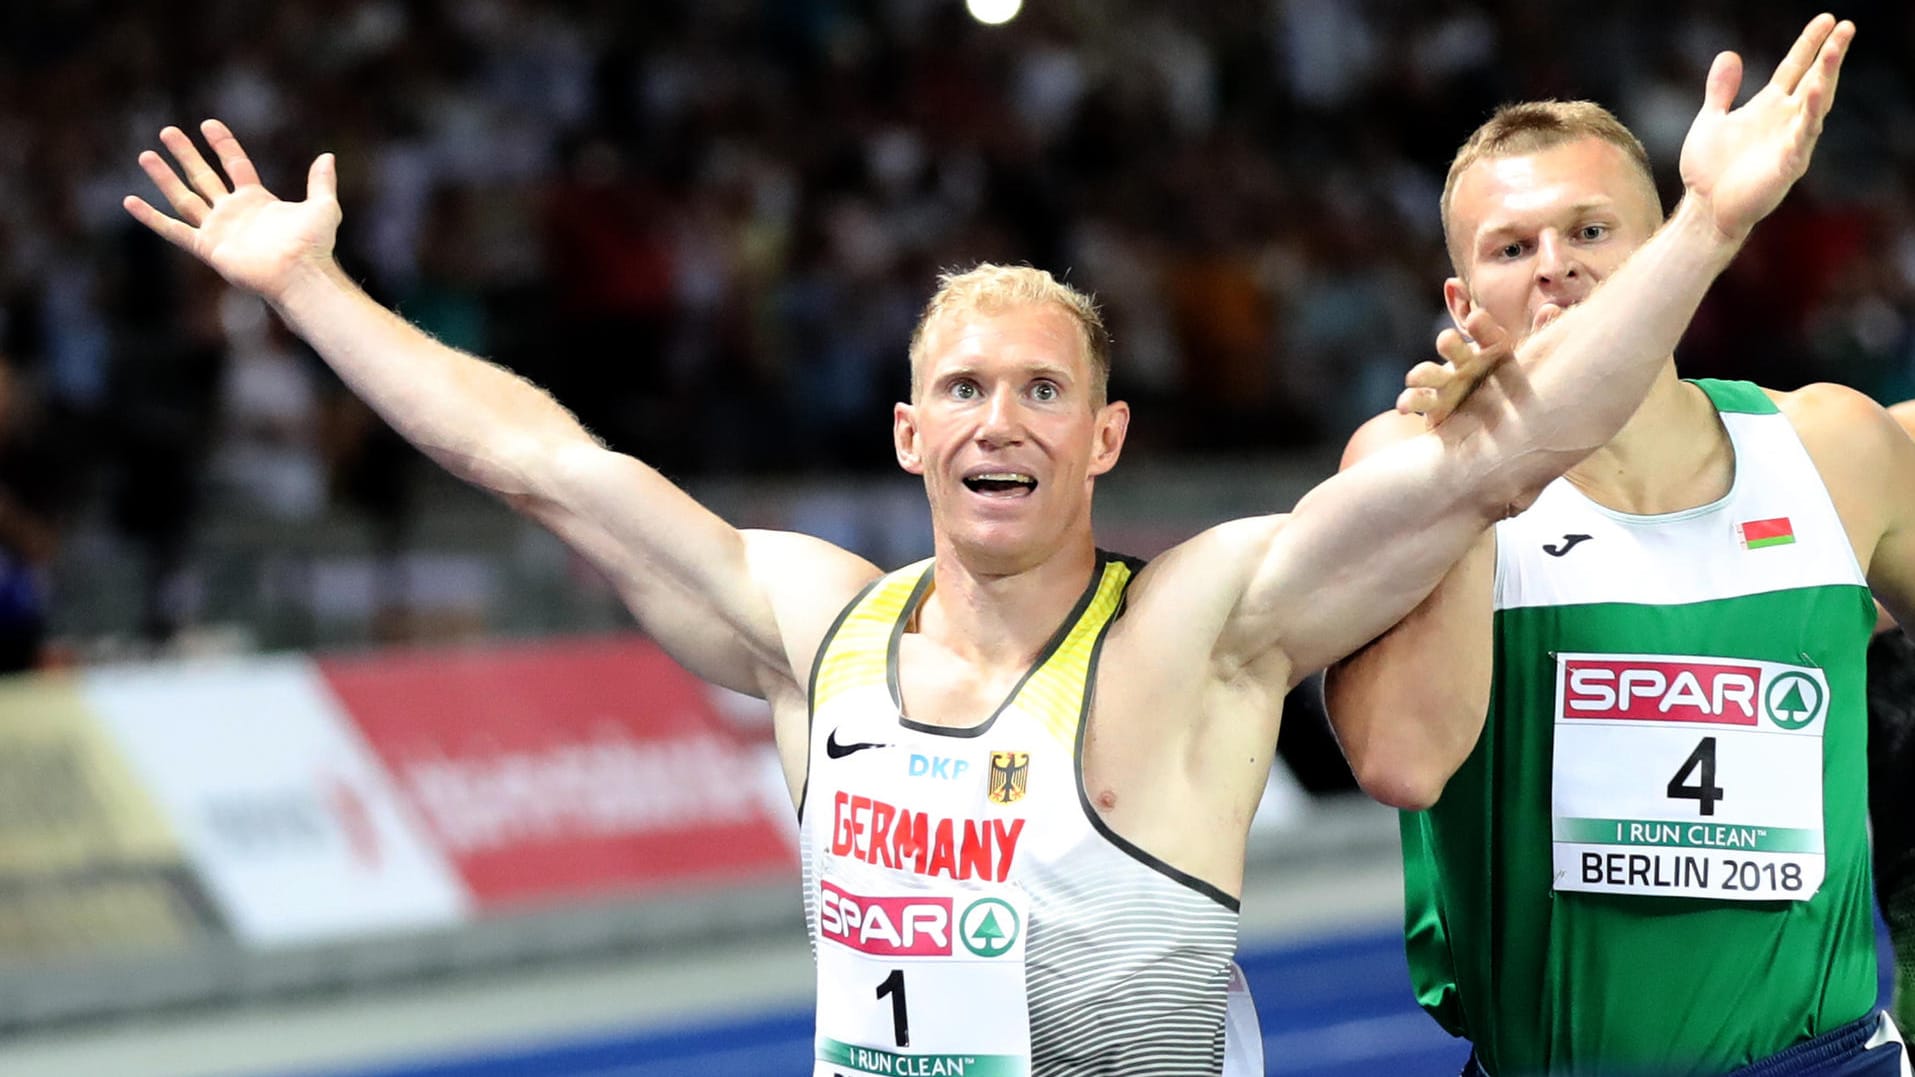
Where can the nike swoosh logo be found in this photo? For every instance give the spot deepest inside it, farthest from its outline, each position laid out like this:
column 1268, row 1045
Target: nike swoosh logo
column 1568, row 543
column 839, row 751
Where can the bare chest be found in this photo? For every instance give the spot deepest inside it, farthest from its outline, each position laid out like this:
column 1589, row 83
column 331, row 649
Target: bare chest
column 938, row 688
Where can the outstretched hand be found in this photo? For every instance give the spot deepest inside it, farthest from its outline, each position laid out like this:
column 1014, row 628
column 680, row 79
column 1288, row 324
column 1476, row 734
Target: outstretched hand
column 1740, row 163
column 1434, row 390
column 251, row 237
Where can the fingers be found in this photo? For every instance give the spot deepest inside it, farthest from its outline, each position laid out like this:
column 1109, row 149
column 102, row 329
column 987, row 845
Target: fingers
column 188, row 205
column 1484, row 330
column 198, row 173
column 239, row 168
column 175, row 232
column 322, row 179
column 1802, row 54
column 1818, row 89
column 1725, row 81
column 1417, row 401
column 1428, row 375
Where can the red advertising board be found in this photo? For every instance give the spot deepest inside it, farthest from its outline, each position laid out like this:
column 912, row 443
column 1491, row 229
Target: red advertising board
column 565, row 770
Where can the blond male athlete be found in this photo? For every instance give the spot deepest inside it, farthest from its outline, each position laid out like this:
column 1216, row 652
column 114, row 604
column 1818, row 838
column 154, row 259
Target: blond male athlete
column 1023, row 814
column 1635, row 712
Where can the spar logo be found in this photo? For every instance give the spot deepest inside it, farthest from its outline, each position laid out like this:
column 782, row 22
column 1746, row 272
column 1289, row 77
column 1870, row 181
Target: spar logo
column 1670, row 688
column 915, row 926
column 919, row 925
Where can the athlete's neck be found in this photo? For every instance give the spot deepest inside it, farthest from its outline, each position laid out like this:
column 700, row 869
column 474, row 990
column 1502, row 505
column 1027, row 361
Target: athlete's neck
column 1673, row 454
column 993, row 621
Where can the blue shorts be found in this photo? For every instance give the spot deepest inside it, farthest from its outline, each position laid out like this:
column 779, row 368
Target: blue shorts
column 1856, row 1049
column 1865, row 1047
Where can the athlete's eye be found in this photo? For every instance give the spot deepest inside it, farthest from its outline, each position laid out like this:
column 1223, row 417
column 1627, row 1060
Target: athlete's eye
column 964, row 389
column 1592, row 232
column 1045, row 391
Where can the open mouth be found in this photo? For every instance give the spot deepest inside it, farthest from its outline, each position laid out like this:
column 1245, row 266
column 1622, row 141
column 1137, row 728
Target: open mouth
column 1001, row 483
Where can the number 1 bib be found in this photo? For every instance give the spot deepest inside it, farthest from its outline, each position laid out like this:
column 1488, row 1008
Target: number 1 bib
column 922, row 982
column 1683, row 776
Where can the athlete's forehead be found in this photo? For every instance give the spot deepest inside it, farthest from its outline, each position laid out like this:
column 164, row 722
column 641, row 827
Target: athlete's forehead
column 1586, row 170
column 1031, row 337
column 1510, row 192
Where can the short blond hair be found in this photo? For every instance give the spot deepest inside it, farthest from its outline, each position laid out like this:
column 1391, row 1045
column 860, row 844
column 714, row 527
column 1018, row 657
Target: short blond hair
column 1534, row 126
column 988, row 288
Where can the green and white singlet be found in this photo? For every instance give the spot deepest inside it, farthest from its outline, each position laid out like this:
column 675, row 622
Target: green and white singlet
column 1655, row 861
column 970, row 913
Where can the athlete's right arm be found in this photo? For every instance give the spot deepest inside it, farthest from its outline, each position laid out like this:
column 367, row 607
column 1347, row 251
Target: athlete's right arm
column 1408, row 706
column 741, row 609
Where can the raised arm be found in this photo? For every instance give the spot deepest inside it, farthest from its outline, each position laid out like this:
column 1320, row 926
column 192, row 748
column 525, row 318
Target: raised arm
column 737, row 608
column 1368, row 545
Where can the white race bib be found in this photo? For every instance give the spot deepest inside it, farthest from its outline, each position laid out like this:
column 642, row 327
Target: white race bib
column 1683, row 776
column 922, row 982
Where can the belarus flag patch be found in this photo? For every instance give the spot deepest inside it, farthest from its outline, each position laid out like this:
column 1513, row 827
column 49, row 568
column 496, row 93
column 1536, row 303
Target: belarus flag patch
column 1756, row 534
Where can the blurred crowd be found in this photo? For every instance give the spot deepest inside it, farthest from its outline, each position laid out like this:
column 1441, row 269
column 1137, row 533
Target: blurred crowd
column 708, row 226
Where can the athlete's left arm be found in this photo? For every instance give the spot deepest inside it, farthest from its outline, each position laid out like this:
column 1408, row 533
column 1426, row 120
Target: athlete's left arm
column 1867, row 461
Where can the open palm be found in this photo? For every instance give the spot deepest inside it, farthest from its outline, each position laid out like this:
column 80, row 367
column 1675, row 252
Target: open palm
column 1740, row 163
column 251, row 237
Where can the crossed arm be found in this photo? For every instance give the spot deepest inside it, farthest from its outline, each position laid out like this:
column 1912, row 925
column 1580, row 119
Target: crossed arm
column 1365, row 547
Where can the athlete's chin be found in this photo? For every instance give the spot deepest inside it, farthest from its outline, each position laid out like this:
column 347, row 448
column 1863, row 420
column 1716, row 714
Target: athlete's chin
column 1000, row 549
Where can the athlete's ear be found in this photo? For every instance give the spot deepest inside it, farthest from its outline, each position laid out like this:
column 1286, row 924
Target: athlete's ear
column 1456, row 298
column 904, row 438
column 1113, row 423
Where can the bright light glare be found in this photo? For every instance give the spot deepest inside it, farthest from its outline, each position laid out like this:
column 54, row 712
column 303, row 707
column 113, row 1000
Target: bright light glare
column 994, row 12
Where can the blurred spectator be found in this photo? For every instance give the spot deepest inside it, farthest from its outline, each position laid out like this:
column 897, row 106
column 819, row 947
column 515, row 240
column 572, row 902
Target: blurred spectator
column 31, row 503
column 706, row 226
column 268, row 452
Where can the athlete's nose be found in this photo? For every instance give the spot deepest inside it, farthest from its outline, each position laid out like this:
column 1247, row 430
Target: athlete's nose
column 1556, row 262
column 1001, row 423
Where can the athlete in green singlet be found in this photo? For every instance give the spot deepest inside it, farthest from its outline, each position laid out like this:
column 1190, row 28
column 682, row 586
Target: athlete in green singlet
column 1642, row 703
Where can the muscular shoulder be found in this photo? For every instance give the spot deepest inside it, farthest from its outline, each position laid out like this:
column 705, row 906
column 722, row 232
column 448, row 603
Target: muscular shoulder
column 808, row 582
column 1865, row 458
column 1853, row 439
column 1182, row 601
column 1208, row 569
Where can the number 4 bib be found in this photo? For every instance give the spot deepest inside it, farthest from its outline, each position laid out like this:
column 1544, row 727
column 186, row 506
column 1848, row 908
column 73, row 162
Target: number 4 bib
column 1682, row 776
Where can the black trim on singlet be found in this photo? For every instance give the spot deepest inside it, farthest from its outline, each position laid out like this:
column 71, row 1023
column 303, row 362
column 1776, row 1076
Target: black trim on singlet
column 1097, row 823
column 1050, row 648
column 811, row 683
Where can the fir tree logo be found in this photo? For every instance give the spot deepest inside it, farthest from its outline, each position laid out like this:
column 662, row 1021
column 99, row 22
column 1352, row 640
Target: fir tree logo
column 1793, row 700
column 989, row 927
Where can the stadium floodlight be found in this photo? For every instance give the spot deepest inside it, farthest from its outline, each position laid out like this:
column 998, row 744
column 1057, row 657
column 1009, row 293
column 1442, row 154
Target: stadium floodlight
column 994, row 12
